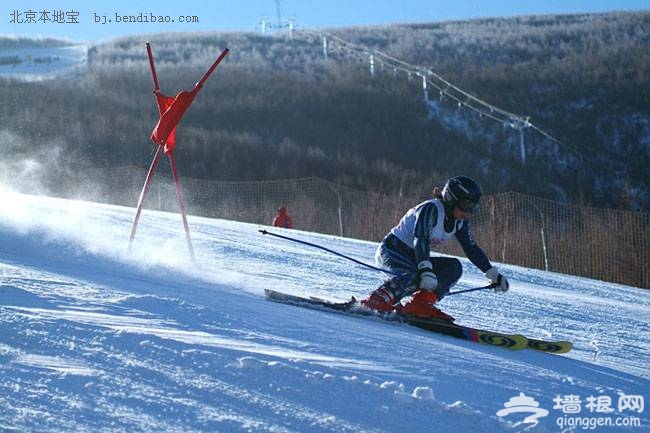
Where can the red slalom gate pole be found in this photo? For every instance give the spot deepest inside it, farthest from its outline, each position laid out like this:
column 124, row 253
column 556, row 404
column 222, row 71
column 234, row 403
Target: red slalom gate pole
column 156, row 88
column 181, row 204
column 209, row 72
column 171, row 111
column 143, row 194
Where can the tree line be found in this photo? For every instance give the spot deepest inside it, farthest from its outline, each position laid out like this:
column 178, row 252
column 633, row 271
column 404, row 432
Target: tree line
column 276, row 108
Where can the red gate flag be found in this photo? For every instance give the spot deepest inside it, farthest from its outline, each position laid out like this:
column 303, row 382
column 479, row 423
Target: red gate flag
column 164, row 102
column 172, row 109
column 171, row 112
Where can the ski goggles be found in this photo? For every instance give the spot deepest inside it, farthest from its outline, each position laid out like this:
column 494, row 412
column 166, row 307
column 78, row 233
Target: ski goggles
column 467, row 206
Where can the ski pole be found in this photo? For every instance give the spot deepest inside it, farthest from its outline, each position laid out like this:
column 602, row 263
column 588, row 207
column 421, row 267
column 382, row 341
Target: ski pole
column 320, row 247
column 489, row 286
column 388, row 271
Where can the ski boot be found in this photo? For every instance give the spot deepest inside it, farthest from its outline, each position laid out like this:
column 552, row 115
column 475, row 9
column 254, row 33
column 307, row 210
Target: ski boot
column 381, row 300
column 422, row 305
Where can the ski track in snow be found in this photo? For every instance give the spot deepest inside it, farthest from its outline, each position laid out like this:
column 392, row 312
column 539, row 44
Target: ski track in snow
column 93, row 338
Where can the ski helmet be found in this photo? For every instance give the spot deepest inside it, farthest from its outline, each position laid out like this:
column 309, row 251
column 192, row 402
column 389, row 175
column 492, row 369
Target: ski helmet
column 462, row 192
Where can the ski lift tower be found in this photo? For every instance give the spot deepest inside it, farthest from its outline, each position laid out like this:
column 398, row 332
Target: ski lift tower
column 520, row 124
column 279, row 24
column 277, row 10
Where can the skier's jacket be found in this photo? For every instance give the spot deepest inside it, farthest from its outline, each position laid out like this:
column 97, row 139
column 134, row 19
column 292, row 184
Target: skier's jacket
column 426, row 226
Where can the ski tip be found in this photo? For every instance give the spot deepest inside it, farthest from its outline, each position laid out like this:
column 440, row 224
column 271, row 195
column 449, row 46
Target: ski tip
column 274, row 294
column 550, row 346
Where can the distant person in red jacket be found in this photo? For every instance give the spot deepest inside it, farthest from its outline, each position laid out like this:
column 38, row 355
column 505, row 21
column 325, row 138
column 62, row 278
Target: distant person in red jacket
column 282, row 219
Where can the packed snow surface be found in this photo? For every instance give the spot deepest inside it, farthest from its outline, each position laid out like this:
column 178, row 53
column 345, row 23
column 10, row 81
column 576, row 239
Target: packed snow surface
column 97, row 338
column 35, row 63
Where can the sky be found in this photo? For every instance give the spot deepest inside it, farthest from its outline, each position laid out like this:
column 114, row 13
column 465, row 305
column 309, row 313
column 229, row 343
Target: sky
column 98, row 20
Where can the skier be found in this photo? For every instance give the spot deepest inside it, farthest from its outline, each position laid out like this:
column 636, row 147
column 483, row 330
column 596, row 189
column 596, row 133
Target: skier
column 406, row 252
column 282, row 219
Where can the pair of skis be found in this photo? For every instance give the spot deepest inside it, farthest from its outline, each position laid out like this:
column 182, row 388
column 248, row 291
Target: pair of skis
column 353, row 307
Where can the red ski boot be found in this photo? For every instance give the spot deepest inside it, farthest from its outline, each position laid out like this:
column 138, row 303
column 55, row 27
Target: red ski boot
column 381, row 300
column 422, row 305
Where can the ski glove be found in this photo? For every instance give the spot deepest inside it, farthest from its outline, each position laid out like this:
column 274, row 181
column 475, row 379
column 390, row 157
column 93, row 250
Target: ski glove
column 425, row 279
column 501, row 283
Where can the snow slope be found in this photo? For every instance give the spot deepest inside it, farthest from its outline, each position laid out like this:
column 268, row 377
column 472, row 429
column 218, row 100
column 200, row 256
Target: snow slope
column 36, row 63
column 94, row 338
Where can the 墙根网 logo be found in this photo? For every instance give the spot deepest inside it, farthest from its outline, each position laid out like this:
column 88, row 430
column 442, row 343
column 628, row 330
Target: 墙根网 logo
column 524, row 404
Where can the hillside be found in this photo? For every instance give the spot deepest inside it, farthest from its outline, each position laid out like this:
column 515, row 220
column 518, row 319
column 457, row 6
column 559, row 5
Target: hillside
column 277, row 108
column 95, row 339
